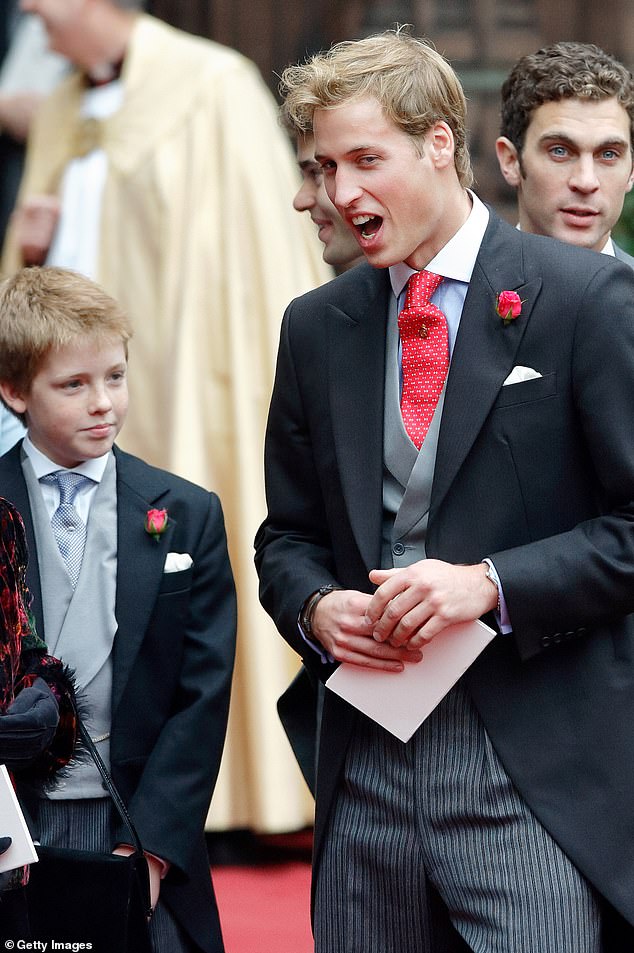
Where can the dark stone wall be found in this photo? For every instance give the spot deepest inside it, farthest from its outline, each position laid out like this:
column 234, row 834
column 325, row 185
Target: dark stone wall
column 481, row 38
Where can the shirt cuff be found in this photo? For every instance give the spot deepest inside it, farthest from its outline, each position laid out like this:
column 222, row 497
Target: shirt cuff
column 325, row 657
column 163, row 864
column 502, row 614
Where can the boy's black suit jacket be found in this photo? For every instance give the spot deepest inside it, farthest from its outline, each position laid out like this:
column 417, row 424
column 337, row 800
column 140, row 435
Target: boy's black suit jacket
column 172, row 664
column 538, row 475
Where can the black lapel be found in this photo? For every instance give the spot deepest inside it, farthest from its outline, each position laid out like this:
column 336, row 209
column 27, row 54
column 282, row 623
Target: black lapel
column 356, row 365
column 485, row 350
column 140, row 560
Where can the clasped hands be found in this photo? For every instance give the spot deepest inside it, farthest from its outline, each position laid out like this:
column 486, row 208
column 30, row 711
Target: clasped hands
column 411, row 606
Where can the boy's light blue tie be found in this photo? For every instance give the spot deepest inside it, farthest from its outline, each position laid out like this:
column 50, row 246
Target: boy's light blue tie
column 68, row 527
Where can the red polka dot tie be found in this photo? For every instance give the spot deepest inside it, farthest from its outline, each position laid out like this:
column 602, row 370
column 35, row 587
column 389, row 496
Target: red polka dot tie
column 424, row 354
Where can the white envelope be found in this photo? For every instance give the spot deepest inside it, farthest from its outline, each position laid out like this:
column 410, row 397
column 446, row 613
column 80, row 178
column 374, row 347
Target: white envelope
column 13, row 825
column 401, row 701
column 519, row 374
column 177, row 562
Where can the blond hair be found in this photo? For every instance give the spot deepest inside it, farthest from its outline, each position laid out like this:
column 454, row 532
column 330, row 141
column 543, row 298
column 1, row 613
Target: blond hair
column 42, row 309
column 414, row 84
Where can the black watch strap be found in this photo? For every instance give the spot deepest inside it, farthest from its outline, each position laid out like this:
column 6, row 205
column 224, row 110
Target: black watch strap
column 308, row 609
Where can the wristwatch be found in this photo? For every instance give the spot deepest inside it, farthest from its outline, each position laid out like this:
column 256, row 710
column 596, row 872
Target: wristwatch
column 308, row 609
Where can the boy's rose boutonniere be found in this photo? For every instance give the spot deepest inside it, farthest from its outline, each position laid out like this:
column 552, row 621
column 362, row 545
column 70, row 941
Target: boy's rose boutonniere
column 508, row 306
column 156, row 523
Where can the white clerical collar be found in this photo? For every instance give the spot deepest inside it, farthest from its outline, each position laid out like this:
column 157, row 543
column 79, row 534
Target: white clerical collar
column 456, row 259
column 42, row 464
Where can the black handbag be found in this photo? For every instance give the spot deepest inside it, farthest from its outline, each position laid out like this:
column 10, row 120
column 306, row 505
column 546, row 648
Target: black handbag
column 80, row 896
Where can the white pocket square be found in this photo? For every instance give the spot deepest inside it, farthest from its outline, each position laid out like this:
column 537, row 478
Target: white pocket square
column 177, row 562
column 520, row 373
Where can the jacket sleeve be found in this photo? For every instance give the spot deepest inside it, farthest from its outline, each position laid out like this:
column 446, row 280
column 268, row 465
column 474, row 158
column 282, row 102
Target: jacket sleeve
column 293, row 550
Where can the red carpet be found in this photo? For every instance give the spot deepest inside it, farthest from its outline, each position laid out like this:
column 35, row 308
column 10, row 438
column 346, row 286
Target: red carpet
column 262, row 886
column 265, row 909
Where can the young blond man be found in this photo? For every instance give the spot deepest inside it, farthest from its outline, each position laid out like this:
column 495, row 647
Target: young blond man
column 450, row 438
column 566, row 143
column 145, row 613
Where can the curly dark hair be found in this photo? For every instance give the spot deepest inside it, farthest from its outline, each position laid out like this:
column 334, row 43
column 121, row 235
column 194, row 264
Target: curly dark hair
column 562, row 71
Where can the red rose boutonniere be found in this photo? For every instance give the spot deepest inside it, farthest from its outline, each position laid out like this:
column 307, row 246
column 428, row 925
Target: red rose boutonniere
column 156, row 523
column 508, row 306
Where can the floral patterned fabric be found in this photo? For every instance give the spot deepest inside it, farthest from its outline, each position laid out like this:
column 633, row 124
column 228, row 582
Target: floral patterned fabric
column 23, row 659
column 14, row 620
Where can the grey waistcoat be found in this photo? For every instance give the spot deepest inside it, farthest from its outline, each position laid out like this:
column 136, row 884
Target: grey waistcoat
column 407, row 472
column 80, row 624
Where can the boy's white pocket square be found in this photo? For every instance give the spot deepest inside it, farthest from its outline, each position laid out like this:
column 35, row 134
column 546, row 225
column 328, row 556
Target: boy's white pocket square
column 177, row 562
column 519, row 374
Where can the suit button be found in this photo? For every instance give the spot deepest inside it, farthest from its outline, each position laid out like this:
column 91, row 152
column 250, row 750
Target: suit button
column 545, row 641
column 398, row 549
column 570, row 635
column 557, row 637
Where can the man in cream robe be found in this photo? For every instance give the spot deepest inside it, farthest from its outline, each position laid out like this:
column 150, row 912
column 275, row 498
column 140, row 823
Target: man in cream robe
column 188, row 222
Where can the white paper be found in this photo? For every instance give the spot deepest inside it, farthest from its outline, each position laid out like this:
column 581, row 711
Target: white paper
column 401, row 701
column 13, row 825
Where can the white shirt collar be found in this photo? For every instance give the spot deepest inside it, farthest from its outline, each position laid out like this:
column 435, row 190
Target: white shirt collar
column 457, row 258
column 608, row 248
column 42, row 464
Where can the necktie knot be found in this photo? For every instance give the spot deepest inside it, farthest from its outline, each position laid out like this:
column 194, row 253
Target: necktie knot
column 68, row 528
column 420, row 288
column 69, row 484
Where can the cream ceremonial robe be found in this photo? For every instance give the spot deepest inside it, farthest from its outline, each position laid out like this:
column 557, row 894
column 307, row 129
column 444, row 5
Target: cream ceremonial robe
column 201, row 245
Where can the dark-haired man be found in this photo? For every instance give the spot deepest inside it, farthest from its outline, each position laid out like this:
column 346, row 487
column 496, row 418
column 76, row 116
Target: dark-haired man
column 341, row 249
column 566, row 143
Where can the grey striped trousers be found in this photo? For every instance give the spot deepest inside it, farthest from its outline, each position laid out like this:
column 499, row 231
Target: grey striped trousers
column 87, row 825
column 440, row 814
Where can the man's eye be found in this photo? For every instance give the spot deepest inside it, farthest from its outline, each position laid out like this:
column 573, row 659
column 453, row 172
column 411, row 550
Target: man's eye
column 558, row 151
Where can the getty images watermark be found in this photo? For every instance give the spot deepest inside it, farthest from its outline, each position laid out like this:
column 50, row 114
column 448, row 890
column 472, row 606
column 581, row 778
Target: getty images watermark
column 43, row 946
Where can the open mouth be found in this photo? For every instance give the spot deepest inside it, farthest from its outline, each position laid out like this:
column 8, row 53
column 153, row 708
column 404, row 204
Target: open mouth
column 367, row 225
